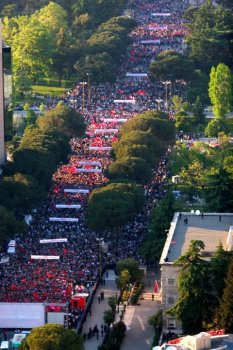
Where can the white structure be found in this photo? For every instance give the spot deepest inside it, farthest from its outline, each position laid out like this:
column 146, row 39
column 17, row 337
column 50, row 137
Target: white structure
column 209, row 228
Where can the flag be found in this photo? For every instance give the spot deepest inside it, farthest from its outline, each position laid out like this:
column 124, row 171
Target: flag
column 156, row 287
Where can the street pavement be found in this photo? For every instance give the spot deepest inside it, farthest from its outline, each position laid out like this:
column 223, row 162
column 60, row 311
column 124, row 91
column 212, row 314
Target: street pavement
column 139, row 335
column 97, row 309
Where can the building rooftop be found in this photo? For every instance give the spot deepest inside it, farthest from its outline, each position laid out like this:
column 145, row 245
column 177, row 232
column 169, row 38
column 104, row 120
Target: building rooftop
column 211, row 228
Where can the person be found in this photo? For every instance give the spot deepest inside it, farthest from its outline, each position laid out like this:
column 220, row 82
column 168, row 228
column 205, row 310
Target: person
column 153, row 297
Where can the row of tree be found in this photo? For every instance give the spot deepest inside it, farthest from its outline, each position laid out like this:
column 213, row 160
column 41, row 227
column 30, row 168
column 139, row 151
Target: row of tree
column 48, row 42
column 141, row 144
column 206, row 172
column 209, row 42
column 28, row 176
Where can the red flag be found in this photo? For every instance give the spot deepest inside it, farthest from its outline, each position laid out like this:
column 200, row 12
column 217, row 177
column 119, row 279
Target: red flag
column 156, row 287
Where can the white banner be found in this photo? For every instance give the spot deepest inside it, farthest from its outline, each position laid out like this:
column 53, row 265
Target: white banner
column 53, row 240
column 45, row 257
column 150, row 42
column 114, row 120
column 63, row 219
column 100, row 148
column 89, row 163
column 105, row 131
column 160, row 14
column 68, row 206
column 136, row 75
column 76, row 190
column 124, row 101
column 154, row 28
column 84, row 170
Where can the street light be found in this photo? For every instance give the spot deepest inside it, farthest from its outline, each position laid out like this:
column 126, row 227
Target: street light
column 89, row 87
column 83, row 83
column 166, row 83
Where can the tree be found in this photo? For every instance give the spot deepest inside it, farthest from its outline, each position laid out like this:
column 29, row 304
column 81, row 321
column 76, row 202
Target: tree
column 64, row 119
column 218, row 188
column 135, row 169
column 225, row 312
column 198, row 112
column 109, row 317
column 20, row 193
column 183, row 122
column 9, row 226
column 210, row 35
column 216, row 126
column 220, row 90
column 116, row 204
column 193, row 176
column 172, row 63
column 193, row 306
column 123, row 279
column 132, row 266
column 52, row 336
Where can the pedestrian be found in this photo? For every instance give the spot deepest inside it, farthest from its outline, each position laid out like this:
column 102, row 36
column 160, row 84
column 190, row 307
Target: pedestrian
column 220, row 218
column 152, row 297
column 99, row 299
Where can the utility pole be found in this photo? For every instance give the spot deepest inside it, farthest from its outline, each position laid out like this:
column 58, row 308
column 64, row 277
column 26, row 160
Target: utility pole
column 83, row 83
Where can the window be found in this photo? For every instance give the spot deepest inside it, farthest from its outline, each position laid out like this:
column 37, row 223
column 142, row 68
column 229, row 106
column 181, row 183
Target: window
column 170, row 300
column 171, row 323
column 170, row 281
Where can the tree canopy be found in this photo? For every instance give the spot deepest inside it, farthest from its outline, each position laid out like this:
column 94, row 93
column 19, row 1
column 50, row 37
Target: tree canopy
column 52, row 336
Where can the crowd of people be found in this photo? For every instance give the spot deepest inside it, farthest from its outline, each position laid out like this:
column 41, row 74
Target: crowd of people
column 29, row 279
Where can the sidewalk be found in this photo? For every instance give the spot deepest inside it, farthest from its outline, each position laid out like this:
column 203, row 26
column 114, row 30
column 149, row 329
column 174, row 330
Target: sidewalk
column 97, row 309
column 139, row 335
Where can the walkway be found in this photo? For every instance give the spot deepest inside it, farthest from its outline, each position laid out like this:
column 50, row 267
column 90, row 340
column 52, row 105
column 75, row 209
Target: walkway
column 97, row 310
column 140, row 335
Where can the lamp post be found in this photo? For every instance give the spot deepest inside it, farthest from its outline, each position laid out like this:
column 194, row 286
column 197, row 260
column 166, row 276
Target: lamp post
column 83, row 83
column 166, row 83
column 89, row 87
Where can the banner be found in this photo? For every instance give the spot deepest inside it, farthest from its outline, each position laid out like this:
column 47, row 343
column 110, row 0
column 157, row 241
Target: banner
column 160, row 14
column 45, row 257
column 124, row 101
column 99, row 131
column 138, row 75
column 76, row 190
column 68, row 206
column 150, row 42
column 114, row 120
column 84, row 170
column 154, row 28
column 64, row 219
column 99, row 148
column 53, row 240
column 89, row 163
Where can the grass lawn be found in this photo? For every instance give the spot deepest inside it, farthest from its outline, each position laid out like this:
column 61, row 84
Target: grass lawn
column 48, row 90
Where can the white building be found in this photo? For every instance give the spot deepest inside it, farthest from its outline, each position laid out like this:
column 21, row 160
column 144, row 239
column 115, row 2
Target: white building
column 209, row 228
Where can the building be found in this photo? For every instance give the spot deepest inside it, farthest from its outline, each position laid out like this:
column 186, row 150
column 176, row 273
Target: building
column 209, row 228
column 5, row 97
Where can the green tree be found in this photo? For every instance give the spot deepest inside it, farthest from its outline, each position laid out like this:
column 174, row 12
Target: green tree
column 135, row 169
column 193, row 304
column 64, row 119
column 198, row 112
column 123, row 279
column 209, row 35
column 172, row 63
column 225, row 312
column 116, row 204
column 216, row 126
column 220, row 90
column 109, row 317
column 52, row 336
column 9, row 226
column 132, row 266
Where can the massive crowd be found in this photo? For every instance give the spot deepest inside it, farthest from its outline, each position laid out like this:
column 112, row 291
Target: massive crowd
column 27, row 279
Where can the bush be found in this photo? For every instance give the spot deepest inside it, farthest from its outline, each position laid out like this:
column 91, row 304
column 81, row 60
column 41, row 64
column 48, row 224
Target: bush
column 135, row 297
